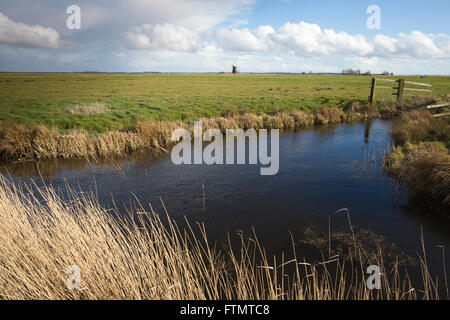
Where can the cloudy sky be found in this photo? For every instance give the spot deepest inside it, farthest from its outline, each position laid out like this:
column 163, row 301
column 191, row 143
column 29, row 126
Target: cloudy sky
column 210, row 35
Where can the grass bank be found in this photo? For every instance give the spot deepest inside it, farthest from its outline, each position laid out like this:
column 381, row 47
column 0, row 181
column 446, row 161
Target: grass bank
column 106, row 115
column 18, row 142
column 143, row 257
column 421, row 158
column 98, row 103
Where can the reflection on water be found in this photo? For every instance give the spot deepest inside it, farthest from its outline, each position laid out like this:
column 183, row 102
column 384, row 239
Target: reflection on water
column 49, row 168
column 367, row 130
column 321, row 171
column 46, row 168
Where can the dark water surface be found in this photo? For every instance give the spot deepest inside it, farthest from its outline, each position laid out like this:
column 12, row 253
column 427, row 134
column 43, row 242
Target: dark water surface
column 321, row 171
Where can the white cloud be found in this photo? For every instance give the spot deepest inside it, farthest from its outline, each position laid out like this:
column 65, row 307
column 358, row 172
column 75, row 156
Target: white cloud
column 120, row 55
column 199, row 35
column 244, row 39
column 419, row 45
column 137, row 40
column 163, row 37
column 310, row 39
column 384, row 45
column 23, row 35
column 196, row 15
column 307, row 39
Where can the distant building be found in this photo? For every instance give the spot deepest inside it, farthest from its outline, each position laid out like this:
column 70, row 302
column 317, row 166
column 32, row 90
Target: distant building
column 234, row 70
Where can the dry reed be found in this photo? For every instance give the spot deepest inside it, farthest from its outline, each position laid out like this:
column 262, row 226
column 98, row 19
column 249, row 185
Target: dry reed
column 412, row 127
column 424, row 168
column 19, row 142
column 140, row 256
column 92, row 108
column 421, row 159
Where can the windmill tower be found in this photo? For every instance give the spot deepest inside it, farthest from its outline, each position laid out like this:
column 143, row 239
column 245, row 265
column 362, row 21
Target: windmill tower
column 234, row 70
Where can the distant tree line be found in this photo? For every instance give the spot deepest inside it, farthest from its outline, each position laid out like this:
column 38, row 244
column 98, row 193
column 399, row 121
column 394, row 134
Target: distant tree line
column 351, row 72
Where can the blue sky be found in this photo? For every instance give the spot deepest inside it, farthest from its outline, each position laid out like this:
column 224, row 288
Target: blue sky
column 210, row 35
column 350, row 15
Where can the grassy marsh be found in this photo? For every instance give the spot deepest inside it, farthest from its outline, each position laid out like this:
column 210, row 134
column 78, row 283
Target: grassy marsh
column 31, row 99
column 103, row 115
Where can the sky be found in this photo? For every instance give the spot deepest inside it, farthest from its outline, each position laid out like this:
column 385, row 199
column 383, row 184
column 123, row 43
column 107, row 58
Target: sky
column 403, row 37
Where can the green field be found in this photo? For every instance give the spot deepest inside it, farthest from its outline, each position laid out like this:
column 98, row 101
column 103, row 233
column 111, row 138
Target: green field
column 46, row 98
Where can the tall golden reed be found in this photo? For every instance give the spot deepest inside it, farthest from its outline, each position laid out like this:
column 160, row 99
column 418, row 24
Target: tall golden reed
column 421, row 158
column 142, row 256
column 20, row 142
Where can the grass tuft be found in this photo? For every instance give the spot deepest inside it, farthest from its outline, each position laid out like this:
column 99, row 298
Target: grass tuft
column 92, row 108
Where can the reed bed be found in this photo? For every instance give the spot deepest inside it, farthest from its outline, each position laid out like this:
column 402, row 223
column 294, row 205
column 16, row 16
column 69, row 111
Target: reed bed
column 421, row 158
column 144, row 256
column 19, row 142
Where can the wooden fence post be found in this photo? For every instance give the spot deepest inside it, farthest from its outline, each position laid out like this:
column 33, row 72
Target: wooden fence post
column 372, row 91
column 400, row 93
column 401, row 90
